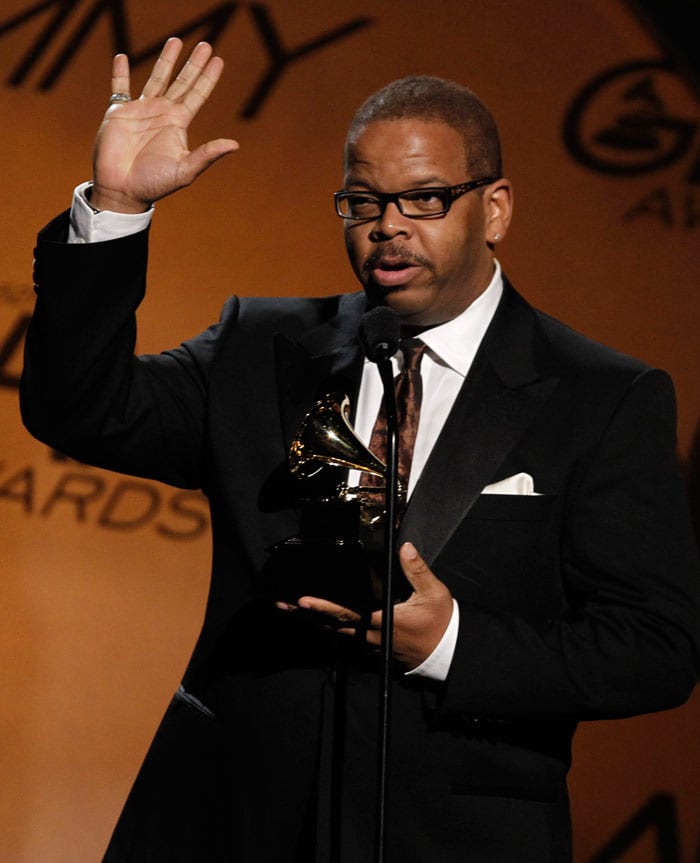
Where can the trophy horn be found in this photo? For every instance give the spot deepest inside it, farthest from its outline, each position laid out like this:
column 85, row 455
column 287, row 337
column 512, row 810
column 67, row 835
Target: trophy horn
column 326, row 437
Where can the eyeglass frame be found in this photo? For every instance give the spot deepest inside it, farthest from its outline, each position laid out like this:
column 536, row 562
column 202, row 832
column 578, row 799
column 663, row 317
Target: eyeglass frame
column 384, row 198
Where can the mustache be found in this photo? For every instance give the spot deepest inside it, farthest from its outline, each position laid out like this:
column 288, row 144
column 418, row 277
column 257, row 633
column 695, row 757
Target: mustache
column 398, row 254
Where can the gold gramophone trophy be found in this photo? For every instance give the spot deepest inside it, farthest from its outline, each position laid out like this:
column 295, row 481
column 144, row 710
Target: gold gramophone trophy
column 338, row 550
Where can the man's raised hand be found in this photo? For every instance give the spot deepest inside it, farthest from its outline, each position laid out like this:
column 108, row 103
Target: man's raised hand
column 141, row 152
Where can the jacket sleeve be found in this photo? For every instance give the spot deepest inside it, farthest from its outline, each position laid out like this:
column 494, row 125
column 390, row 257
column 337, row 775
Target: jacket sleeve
column 83, row 392
column 627, row 639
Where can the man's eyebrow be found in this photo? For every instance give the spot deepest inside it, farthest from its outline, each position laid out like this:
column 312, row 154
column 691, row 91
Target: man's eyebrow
column 352, row 181
column 430, row 181
column 425, row 182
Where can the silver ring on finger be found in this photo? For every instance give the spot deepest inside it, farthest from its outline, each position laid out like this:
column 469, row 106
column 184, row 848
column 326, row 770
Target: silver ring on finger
column 116, row 98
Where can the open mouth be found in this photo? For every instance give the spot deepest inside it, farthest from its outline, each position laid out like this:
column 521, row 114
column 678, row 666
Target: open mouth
column 390, row 272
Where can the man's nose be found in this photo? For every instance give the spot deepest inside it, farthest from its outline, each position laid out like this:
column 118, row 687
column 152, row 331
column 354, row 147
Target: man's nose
column 391, row 223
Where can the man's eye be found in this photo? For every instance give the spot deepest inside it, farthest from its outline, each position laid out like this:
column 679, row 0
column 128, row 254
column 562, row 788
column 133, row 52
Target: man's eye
column 423, row 200
column 361, row 203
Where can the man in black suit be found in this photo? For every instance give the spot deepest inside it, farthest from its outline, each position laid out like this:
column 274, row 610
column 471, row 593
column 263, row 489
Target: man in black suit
column 546, row 539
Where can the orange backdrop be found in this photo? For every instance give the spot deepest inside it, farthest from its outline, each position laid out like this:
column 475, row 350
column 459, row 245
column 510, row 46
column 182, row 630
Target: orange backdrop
column 105, row 577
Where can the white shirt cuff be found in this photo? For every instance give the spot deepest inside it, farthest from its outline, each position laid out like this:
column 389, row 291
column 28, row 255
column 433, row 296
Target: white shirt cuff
column 87, row 226
column 437, row 665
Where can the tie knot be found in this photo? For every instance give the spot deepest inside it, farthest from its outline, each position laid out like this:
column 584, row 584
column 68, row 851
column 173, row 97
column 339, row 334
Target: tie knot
column 412, row 350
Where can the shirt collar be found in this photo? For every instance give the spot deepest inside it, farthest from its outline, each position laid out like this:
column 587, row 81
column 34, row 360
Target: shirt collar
column 455, row 342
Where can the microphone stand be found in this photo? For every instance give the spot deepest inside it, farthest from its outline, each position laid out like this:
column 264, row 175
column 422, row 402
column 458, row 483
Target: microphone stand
column 391, row 504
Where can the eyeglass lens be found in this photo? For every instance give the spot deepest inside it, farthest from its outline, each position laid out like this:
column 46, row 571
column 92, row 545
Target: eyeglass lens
column 416, row 202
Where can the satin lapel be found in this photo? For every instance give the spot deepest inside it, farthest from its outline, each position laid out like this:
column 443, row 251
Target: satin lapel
column 485, row 424
column 499, row 399
column 326, row 359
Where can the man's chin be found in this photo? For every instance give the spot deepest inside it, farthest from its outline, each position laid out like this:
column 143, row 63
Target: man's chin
column 401, row 299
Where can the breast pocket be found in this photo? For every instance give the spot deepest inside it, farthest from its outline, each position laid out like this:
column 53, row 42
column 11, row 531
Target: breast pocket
column 512, row 507
column 504, row 555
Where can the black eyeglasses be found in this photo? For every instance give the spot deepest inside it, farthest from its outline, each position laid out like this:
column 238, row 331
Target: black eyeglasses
column 430, row 202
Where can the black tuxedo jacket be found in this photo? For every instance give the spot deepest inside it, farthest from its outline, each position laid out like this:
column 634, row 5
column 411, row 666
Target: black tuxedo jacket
column 577, row 603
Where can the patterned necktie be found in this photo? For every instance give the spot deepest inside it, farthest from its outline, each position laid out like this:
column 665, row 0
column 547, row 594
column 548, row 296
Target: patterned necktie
column 408, row 400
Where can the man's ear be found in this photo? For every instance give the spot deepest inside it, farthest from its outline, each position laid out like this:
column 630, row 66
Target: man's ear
column 498, row 206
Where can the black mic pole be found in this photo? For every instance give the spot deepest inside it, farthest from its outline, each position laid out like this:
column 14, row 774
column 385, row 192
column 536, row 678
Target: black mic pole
column 381, row 328
column 391, row 496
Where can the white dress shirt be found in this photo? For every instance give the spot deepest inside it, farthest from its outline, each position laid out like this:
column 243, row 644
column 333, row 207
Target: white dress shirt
column 451, row 350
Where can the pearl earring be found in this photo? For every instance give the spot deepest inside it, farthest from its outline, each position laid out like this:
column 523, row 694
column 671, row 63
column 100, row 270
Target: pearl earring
column 496, row 237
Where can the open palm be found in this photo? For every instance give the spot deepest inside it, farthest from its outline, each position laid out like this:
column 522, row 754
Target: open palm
column 141, row 152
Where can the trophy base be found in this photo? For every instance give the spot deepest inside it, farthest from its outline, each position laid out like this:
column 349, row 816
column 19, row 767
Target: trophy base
column 328, row 559
column 333, row 570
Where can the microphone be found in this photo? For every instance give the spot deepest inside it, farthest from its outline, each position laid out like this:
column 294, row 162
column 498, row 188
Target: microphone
column 380, row 334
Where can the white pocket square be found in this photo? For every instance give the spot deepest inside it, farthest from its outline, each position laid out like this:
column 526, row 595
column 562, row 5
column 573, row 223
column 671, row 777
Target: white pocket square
column 519, row 483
